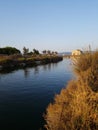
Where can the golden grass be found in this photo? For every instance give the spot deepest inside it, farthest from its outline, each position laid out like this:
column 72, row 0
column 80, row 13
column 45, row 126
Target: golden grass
column 86, row 69
column 76, row 107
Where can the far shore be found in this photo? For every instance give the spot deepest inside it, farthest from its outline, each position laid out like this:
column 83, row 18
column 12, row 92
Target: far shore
column 16, row 61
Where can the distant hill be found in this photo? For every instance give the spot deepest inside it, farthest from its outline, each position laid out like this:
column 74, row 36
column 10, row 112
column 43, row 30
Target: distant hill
column 64, row 53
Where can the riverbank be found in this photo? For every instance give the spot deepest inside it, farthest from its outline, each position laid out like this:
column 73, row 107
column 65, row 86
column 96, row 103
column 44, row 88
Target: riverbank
column 21, row 62
column 76, row 107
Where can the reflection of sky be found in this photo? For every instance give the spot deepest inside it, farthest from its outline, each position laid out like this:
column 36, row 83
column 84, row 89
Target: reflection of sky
column 26, row 93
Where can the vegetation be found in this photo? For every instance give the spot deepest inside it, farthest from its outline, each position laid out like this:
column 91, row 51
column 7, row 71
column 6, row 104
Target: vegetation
column 25, row 51
column 35, row 52
column 48, row 52
column 76, row 107
column 13, row 58
column 86, row 69
column 9, row 50
column 12, row 50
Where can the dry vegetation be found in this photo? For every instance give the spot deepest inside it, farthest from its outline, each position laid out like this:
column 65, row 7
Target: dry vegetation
column 86, row 69
column 76, row 107
column 14, row 61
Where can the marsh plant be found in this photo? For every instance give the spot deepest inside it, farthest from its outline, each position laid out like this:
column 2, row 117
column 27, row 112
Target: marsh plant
column 86, row 69
column 76, row 107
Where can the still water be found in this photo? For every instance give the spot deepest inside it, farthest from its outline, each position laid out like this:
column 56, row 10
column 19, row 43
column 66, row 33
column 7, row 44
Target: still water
column 25, row 94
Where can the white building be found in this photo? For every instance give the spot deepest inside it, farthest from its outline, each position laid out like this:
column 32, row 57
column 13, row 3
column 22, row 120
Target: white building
column 76, row 52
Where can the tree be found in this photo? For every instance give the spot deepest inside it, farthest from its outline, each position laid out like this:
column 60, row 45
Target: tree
column 25, row 51
column 56, row 52
column 9, row 50
column 53, row 52
column 44, row 51
column 49, row 52
column 36, row 52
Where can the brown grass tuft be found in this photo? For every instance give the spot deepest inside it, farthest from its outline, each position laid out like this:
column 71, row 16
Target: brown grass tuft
column 76, row 107
column 86, row 69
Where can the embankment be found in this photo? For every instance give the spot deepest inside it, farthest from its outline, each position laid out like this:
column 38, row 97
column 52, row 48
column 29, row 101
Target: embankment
column 28, row 62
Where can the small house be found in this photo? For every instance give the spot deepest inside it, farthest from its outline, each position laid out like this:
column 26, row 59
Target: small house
column 76, row 52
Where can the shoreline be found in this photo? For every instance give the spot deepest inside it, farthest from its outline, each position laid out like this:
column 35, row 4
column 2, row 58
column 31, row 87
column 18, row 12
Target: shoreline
column 24, row 62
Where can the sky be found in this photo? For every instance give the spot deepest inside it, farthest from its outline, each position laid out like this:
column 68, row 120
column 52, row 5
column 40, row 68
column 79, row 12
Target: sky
column 57, row 25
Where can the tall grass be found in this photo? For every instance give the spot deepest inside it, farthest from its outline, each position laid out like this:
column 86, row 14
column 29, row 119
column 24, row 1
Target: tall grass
column 86, row 69
column 76, row 107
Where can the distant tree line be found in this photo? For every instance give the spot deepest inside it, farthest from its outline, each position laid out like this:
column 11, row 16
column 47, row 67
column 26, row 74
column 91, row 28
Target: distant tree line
column 49, row 52
column 36, row 52
column 26, row 51
column 13, row 50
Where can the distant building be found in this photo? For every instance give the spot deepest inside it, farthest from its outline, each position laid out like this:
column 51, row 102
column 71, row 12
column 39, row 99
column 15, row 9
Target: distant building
column 76, row 52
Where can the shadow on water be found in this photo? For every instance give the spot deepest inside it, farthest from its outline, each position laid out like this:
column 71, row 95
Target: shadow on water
column 46, row 67
column 26, row 69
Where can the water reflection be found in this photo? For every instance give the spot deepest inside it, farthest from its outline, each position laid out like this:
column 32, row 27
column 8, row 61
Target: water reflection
column 27, row 92
column 46, row 67
column 8, row 70
column 49, row 66
column 36, row 70
column 26, row 72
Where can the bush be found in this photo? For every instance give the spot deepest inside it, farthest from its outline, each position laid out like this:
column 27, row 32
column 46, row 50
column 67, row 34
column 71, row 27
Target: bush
column 76, row 108
column 86, row 69
column 9, row 51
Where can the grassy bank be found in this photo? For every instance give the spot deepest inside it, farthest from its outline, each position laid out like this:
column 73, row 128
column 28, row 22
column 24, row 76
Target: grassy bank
column 27, row 61
column 76, row 107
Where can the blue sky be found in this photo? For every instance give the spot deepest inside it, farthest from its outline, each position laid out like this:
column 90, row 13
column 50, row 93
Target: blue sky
column 60, row 25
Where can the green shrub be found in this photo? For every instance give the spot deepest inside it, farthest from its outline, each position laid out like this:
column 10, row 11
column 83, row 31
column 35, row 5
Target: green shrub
column 9, row 50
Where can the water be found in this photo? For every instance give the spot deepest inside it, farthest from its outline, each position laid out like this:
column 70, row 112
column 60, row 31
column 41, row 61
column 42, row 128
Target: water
column 25, row 94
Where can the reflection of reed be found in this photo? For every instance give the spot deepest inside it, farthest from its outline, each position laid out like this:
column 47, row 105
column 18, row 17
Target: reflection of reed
column 36, row 70
column 44, row 67
column 49, row 66
column 26, row 72
column 54, row 64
